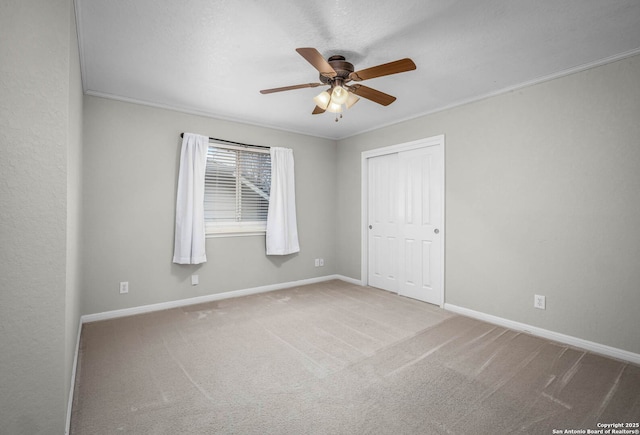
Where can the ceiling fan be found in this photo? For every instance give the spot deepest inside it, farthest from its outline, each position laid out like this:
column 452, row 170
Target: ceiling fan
column 337, row 73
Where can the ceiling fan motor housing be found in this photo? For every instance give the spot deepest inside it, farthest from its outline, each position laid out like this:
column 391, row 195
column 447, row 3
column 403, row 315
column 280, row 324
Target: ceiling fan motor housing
column 342, row 69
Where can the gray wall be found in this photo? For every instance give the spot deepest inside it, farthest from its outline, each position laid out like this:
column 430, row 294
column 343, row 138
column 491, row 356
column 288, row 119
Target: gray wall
column 40, row 119
column 542, row 196
column 131, row 156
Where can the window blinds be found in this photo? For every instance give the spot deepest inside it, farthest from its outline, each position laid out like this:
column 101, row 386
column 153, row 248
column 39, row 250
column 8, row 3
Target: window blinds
column 237, row 185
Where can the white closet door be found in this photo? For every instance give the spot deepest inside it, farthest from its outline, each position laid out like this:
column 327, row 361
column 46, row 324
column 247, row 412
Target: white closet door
column 405, row 212
column 383, row 222
column 420, row 224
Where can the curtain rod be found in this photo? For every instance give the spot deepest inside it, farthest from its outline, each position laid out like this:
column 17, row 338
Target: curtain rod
column 235, row 143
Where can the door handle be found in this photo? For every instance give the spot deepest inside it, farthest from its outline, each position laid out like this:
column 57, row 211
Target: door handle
column 436, row 231
column 370, row 227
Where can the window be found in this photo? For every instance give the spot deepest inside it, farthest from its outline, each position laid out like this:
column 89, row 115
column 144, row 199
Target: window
column 236, row 190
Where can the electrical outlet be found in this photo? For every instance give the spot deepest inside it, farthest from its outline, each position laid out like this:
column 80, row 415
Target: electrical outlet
column 321, row 262
column 317, row 262
column 124, row 287
column 539, row 302
column 195, row 280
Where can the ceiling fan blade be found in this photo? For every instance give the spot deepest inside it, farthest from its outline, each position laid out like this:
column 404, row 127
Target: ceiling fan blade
column 372, row 94
column 385, row 69
column 314, row 57
column 290, row 88
column 317, row 111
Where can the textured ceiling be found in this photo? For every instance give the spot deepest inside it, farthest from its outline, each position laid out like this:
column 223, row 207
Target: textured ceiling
column 213, row 56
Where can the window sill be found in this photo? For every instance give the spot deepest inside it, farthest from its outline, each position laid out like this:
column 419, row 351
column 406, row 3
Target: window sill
column 235, row 234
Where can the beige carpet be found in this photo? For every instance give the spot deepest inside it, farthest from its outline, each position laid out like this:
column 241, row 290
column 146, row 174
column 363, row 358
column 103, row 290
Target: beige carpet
column 334, row 358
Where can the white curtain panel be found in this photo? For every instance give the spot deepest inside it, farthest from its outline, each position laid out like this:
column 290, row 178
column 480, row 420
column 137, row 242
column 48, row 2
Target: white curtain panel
column 282, row 227
column 189, row 245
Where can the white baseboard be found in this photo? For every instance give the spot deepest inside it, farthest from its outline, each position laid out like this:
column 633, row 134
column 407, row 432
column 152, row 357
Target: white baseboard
column 551, row 335
column 347, row 279
column 73, row 379
column 209, row 298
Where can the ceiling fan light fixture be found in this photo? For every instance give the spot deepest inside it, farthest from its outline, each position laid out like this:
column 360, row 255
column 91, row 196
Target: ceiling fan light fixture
column 322, row 100
column 339, row 95
column 334, row 107
column 336, row 73
column 351, row 100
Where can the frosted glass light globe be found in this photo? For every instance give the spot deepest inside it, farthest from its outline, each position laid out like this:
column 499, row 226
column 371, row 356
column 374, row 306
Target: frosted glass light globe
column 339, row 95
